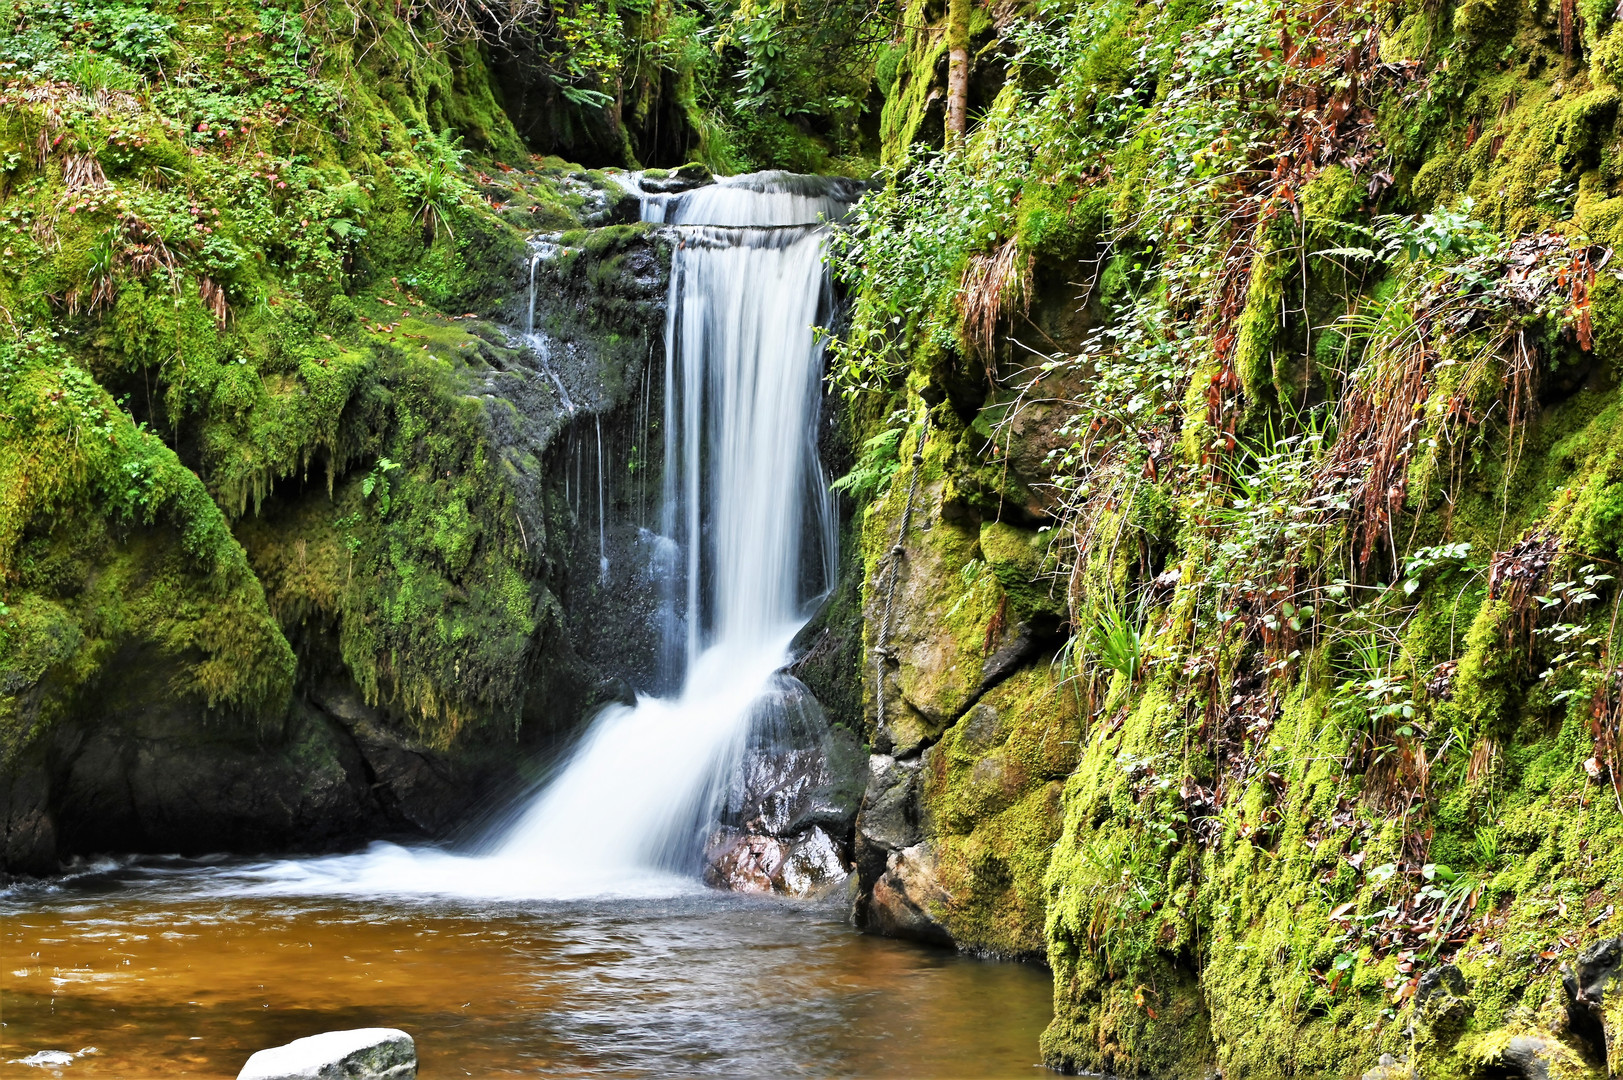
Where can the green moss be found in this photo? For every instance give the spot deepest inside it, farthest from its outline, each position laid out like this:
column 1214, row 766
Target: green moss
column 991, row 801
column 1242, row 811
column 108, row 544
column 1258, row 328
column 276, row 302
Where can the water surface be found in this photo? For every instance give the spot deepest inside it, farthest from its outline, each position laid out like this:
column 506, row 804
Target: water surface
column 174, row 969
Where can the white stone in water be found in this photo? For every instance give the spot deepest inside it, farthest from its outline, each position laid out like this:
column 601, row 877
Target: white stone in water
column 359, row 1054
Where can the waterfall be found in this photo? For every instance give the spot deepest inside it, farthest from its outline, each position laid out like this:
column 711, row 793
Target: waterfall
column 743, row 501
column 746, row 544
column 602, row 515
column 540, row 344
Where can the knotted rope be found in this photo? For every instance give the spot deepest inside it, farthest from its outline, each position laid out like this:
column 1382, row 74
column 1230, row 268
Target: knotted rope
column 893, row 558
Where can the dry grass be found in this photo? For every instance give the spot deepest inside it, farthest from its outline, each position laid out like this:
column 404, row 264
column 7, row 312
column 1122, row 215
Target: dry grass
column 1483, row 755
column 994, row 287
column 82, row 171
column 213, row 297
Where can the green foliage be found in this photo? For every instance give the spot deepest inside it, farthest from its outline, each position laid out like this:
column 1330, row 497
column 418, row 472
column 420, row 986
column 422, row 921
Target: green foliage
column 876, row 464
column 96, row 45
column 81, row 587
column 1116, row 643
column 256, row 237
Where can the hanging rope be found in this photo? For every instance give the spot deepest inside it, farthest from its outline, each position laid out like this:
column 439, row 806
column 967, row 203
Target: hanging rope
column 882, row 650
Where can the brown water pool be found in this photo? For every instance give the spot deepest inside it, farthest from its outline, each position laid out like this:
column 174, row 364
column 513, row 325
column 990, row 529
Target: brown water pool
column 165, row 976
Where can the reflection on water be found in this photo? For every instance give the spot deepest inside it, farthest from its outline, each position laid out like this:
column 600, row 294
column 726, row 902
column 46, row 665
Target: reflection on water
column 166, row 973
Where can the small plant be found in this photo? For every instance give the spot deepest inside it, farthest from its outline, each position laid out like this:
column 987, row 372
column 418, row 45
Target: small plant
column 100, row 284
column 378, row 481
column 92, row 72
column 135, row 36
column 1566, row 595
column 1115, row 642
column 1456, row 897
column 1446, row 233
column 1375, row 704
column 435, row 211
column 1485, row 848
column 1428, row 559
column 439, row 187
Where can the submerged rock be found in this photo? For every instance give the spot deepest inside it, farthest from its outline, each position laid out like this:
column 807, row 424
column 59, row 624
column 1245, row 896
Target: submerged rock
column 751, row 862
column 1390, row 1068
column 357, row 1054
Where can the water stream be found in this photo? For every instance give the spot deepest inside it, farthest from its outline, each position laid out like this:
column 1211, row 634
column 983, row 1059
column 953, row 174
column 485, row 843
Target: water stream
column 180, row 970
column 629, row 810
column 539, row 343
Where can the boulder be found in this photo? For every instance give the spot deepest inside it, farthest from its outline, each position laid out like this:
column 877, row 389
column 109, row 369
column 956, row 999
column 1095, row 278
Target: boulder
column 904, row 897
column 357, row 1054
column 890, row 808
column 1530, row 1054
column 791, row 802
column 1527, row 1055
column 1442, row 1006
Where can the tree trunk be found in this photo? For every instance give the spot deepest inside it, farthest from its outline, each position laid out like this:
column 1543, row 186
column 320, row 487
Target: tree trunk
column 957, row 71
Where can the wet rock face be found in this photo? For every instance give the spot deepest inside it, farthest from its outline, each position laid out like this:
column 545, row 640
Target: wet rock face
column 675, row 181
column 597, row 352
column 753, row 862
column 955, row 840
column 787, row 820
column 1595, row 1002
column 153, row 775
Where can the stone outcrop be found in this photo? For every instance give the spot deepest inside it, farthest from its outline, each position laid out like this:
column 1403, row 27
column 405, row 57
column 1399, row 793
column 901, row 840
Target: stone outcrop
column 972, row 733
column 1594, row 990
column 134, row 763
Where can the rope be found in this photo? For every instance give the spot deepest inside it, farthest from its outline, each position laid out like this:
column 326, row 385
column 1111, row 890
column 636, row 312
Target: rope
column 882, row 650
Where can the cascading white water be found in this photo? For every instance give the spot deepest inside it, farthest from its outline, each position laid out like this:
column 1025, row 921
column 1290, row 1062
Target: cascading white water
column 743, row 494
column 743, row 489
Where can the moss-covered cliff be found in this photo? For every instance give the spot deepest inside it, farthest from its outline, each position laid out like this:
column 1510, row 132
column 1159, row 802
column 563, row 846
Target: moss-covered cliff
column 1247, row 649
column 286, row 532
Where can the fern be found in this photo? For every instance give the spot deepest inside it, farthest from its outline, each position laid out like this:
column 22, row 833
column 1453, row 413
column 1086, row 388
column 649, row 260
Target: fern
column 875, row 466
